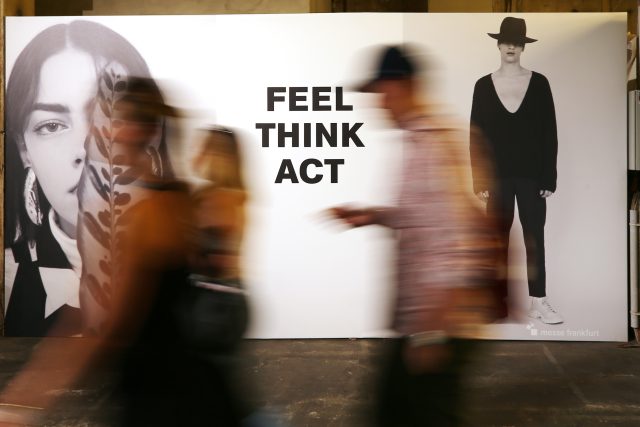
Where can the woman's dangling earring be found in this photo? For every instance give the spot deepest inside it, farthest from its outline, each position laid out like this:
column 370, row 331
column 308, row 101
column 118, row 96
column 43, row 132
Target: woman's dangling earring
column 31, row 200
column 156, row 161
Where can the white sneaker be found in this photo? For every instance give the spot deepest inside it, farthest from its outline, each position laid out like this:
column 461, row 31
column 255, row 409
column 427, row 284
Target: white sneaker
column 541, row 309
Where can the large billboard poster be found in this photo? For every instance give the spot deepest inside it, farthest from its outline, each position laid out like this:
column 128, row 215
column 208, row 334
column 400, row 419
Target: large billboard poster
column 265, row 76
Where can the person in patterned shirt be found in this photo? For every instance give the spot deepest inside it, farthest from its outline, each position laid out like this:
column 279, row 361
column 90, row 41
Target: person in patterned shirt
column 445, row 255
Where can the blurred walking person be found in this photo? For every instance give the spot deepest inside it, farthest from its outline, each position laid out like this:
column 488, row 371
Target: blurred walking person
column 144, row 239
column 445, row 262
column 217, row 307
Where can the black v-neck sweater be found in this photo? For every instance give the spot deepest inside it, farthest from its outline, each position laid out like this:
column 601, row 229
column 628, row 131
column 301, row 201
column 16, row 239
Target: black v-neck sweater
column 522, row 144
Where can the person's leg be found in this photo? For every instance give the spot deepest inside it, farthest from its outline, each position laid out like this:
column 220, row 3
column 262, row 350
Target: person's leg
column 207, row 393
column 532, row 209
column 391, row 401
column 434, row 399
column 533, row 213
column 500, row 209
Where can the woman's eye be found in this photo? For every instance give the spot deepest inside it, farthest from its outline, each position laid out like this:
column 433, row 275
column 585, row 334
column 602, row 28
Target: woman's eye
column 50, row 128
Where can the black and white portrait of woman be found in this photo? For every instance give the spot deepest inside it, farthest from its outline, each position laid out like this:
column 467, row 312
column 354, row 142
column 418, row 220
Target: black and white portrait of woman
column 514, row 118
column 50, row 97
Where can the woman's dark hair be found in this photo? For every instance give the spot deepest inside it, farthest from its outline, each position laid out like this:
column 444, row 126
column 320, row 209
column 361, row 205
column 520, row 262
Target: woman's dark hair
column 145, row 96
column 103, row 45
column 223, row 139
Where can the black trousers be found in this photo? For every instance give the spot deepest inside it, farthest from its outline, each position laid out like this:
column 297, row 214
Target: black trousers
column 426, row 400
column 532, row 209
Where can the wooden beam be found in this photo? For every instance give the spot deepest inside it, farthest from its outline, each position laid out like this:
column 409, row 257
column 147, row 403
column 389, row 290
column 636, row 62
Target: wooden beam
column 2, row 84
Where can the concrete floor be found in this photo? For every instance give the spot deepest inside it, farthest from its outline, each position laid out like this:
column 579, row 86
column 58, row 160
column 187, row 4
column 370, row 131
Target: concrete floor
column 329, row 383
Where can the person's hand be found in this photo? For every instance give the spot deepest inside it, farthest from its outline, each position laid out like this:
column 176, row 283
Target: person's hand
column 483, row 196
column 14, row 424
column 14, row 416
column 427, row 358
column 545, row 193
column 352, row 217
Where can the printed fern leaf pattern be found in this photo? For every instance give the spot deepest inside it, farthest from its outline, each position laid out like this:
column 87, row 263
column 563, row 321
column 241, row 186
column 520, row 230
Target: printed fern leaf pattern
column 107, row 195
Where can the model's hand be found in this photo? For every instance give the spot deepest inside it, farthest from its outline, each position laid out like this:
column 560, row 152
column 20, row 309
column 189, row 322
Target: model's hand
column 352, row 217
column 426, row 359
column 545, row 193
column 483, row 196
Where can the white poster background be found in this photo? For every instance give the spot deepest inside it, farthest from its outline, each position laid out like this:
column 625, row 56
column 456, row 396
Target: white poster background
column 310, row 278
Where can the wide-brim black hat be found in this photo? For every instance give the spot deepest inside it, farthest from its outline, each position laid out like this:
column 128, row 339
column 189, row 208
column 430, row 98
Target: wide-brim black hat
column 394, row 64
column 145, row 94
column 513, row 30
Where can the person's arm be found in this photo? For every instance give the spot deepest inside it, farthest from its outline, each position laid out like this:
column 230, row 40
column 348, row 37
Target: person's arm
column 355, row 217
column 478, row 147
column 155, row 240
column 458, row 313
column 549, row 138
column 55, row 364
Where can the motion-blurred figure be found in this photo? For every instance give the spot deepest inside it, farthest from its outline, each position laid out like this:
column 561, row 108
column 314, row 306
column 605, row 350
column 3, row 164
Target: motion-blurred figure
column 445, row 262
column 126, row 128
column 218, row 303
column 162, row 382
column 143, row 239
column 217, row 307
column 220, row 206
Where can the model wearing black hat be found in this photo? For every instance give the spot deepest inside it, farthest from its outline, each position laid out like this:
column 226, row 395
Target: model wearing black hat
column 513, row 111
